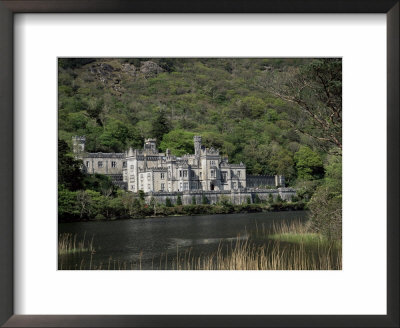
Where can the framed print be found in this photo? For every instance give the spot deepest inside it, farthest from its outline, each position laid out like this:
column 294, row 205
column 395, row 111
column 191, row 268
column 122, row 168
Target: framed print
column 140, row 95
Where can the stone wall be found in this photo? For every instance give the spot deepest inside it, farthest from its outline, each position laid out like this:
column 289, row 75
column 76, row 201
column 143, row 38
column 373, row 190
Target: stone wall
column 254, row 181
column 235, row 196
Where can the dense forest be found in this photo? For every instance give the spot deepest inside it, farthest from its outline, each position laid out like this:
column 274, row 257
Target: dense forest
column 278, row 116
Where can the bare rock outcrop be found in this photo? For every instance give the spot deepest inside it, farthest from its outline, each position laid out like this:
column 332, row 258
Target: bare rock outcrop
column 150, row 68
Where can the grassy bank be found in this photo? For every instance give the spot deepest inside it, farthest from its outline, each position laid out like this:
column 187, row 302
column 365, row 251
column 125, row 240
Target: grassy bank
column 96, row 207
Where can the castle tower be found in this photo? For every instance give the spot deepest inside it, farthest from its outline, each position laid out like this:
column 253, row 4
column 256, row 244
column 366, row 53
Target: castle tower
column 197, row 145
column 151, row 145
column 78, row 144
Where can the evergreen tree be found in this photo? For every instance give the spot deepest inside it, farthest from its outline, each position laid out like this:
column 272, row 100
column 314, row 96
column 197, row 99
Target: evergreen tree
column 168, row 202
column 160, row 127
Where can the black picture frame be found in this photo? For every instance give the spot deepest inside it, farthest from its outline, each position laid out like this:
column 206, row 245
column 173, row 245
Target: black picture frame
column 10, row 7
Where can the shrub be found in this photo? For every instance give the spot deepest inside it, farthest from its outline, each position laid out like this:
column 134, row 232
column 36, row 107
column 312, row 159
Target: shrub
column 326, row 213
column 270, row 199
column 204, row 199
column 141, row 194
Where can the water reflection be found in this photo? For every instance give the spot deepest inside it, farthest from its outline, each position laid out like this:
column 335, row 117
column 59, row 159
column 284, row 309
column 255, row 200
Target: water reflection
column 149, row 241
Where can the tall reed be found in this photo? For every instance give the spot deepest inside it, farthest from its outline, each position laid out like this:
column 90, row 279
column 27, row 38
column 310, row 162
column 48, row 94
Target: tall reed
column 69, row 243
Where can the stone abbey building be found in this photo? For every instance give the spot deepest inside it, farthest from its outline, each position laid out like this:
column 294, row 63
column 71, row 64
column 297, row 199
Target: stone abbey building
column 153, row 172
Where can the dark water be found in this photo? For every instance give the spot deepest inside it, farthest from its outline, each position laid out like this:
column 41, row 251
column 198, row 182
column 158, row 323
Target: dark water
column 149, row 242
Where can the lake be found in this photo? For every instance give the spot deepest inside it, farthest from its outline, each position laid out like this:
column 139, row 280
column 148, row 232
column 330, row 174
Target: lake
column 153, row 242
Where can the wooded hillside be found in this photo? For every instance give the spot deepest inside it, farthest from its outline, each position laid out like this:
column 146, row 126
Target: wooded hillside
column 278, row 116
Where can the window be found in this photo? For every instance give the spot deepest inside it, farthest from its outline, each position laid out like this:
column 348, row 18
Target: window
column 113, row 164
column 238, row 173
column 180, row 173
column 192, row 174
column 201, row 173
column 141, row 177
column 148, row 176
column 185, row 186
column 148, row 186
column 99, row 164
column 162, row 176
column 223, row 176
column 185, row 174
column 87, row 163
column 212, row 173
column 132, row 167
column 234, row 185
column 162, row 186
column 132, row 187
column 132, row 178
column 124, row 165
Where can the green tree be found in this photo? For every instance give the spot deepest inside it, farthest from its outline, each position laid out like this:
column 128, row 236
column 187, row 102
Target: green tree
column 282, row 163
column 326, row 212
column 180, row 142
column 179, row 200
column 168, row 202
column 309, row 164
column 117, row 136
column 315, row 90
column 69, row 169
column 193, row 200
column 204, row 199
column 326, row 203
column 67, row 205
column 160, row 126
column 141, row 195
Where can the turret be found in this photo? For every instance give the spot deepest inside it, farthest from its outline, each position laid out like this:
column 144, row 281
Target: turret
column 197, row 145
column 279, row 181
column 150, row 144
column 78, row 144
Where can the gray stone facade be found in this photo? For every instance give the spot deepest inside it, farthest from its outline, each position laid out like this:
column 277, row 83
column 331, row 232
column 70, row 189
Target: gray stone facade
column 151, row 171
column 161, row 174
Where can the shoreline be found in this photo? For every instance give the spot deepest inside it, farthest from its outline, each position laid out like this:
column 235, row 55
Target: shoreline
column 198, row 210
